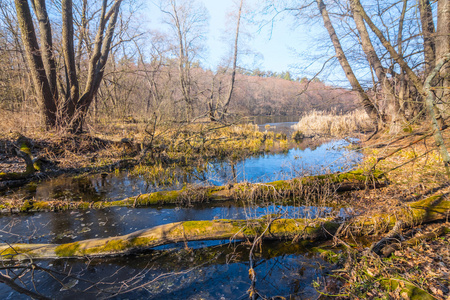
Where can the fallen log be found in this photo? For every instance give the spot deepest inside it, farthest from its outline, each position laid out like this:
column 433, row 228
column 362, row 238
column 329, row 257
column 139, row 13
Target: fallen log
column 389, row 249
column 424, row 211
column 277, row 190
column 171, row 233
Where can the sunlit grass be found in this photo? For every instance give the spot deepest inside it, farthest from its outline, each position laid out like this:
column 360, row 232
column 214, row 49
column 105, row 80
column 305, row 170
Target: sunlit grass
column 333, row 124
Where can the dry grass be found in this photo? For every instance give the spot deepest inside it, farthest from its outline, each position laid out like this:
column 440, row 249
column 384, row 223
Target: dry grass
column 333, row 124
column 23, row 122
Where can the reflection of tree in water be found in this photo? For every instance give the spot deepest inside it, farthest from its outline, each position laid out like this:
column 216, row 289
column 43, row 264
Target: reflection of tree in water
column 66, row 188
column 84, row 187
column 182, row 272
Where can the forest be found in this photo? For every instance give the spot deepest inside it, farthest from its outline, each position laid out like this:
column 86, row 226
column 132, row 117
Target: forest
column 133, row 166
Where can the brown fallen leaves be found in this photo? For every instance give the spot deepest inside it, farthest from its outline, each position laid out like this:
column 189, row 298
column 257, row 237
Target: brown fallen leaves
column 425, row 266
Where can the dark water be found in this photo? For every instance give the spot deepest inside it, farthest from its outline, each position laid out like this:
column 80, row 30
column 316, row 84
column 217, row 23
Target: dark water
column 299, row 161
column 196, row 270
column 75, row 225
column 220, row 272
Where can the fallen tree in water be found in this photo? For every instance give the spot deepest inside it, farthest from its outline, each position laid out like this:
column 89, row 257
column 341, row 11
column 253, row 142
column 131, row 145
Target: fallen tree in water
column 279, row 190
column 424, row 211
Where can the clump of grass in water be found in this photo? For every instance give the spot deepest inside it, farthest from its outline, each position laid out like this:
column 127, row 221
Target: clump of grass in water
column 157, row 174
column 332, row 123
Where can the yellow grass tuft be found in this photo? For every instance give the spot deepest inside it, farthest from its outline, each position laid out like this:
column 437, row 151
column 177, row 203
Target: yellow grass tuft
column 333, row 124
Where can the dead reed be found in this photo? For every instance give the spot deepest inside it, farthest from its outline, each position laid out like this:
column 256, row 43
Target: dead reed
column 333, row 123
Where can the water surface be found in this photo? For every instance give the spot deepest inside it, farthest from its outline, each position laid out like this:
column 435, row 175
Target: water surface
column 329, row 157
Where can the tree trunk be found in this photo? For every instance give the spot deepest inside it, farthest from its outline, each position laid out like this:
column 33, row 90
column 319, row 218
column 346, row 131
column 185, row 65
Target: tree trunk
column 69, row 57
column 374, row 61
column 277, row 190
column 429, row 100
column 47, row 45
column 369, row 107
column 74, row 107
column 442, row 48
column 428, row 31
column 97, row 65
column 233, row 72
column 36, row 65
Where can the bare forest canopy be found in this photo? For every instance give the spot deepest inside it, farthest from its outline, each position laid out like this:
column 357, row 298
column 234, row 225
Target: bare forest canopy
column 76, row 59
column 137, row 90
column 252, row 95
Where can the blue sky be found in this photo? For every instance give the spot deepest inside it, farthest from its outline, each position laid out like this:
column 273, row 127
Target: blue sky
column 276, row 46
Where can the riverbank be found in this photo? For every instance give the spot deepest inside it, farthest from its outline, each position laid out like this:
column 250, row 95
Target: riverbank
column 411, row 261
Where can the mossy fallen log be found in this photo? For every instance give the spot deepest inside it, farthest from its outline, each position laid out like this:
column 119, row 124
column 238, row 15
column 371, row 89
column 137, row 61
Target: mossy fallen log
column 172, row 233
column 389, row 249
column 279, row 190
column 424, row 211
column 431, row 209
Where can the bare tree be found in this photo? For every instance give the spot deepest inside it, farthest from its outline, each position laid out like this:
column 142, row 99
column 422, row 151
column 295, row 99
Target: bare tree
column 369, row 107
column 218, row 110
column 375, row 64
column 68, row 105
column 187, row 21
column 424, row 88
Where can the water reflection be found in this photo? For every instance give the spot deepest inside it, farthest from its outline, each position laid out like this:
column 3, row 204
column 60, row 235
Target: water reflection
column 315, row 159
column 70, row 226
column 282, row 269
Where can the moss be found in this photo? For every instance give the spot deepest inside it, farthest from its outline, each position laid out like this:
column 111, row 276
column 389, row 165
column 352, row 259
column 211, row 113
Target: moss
column 83, row 205
column 67, row 250
column 282, row 185
column 37, row 165
column 118, row 245
column 430, row 207
column 24, row 148
column 413, row 292
column 10, row 252
column 115, row 246
column 141, row 241
column 425, row 203
column 287, row 226
column 26, row 206
column 197, row 227
column 41, row 205
column 328, row 255
column 157, row 198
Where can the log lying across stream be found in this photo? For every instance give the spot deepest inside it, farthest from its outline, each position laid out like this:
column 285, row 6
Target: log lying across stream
column 427, row 210
column 282, row 189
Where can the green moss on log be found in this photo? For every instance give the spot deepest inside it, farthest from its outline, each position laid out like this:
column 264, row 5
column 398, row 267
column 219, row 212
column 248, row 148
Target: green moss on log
column 67, row 250
column 276, row 189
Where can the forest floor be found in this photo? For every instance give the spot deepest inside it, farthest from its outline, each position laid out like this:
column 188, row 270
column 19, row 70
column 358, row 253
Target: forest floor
column 419, row 269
